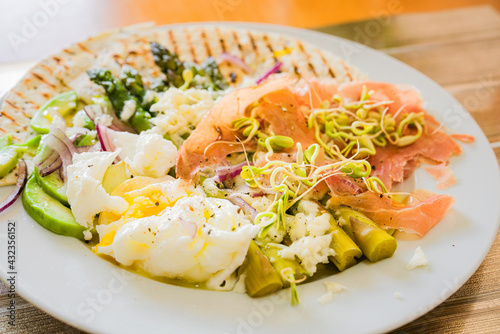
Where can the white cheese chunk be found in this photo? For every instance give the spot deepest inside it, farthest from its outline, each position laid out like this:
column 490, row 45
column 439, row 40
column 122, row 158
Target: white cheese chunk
column 84, row 190
column 148, row 154
column 418, row 260
column 128, row 111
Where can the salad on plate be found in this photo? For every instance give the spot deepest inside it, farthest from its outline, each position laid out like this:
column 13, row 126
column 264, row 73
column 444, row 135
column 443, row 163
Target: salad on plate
column 254, row 166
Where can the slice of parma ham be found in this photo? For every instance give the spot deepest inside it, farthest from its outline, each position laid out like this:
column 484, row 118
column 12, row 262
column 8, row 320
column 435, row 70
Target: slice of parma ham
column 418, row 217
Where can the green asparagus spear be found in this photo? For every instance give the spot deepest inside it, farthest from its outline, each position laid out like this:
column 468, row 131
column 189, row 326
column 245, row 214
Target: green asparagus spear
column 174, row 69
column 346, row 250
column 133, row 81
column 212, row 72
column 271, row 252
column 261, row 277
column 116, row 90
column 169, row 63
column 118, row 94
column 375, row 242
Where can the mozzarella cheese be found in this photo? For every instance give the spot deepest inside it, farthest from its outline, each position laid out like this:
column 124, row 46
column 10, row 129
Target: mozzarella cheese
column 179, row 111
column 418, row 260
column 148, row 154
column 84, row 190
column 128, row 111
column 311, row 250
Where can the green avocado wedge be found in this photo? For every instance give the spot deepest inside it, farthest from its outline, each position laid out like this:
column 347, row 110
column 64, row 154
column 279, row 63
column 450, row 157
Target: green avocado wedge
column 53, row 185
column 49, row 212
column 65, row 103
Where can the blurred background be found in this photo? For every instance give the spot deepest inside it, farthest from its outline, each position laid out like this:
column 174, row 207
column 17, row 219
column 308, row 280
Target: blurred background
column 31, row 29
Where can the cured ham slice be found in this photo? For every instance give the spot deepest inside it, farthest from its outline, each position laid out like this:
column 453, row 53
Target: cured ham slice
column 464, row 138
column 394, row 164
column 214, row 137
column 343, row 185
column 408, row 98
column 418, row 218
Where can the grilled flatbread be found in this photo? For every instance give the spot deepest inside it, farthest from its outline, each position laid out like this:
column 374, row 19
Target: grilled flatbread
column 67, row 69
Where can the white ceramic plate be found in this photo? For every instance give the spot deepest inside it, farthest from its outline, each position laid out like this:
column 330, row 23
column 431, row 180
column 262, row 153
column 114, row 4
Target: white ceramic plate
column 64, row 278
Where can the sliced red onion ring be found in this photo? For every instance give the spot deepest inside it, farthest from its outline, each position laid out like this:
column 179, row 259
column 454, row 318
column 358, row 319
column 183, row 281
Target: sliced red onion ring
column 247, row 208
column 103, row 136
column 49, row 160
column 65, row 152
column 229, row 172
column 51, row 168
column 118, row 125
column 235, row 61
column 93, row 110
column 62, row 136
column 22, row 176
column 274, row 69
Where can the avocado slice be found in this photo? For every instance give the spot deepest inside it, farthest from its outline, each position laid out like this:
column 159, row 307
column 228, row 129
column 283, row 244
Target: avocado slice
column 65, row 103
column 49, row 212
column 9, row 157
column 115, row 175
column 53, row 185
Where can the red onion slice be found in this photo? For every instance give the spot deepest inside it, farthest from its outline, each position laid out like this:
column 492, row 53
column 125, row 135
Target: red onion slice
column 62, row 136
column 64, row 151
column 103, row 136
column 235, row 61
column 22, row 177
column 273, row 69
column 247, row 208
column 229, row 172
column 118, row 125
column 51, row 168
column 48, row 160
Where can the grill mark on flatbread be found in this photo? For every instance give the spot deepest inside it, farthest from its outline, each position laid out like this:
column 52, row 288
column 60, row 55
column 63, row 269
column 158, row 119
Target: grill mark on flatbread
column 17, row 108
column 205, row 41
column 172, row 40
column 236, row 39
column 254, row 45
column 81, row 46
column 26, row 100
column 118, row 59
column 330, row 71
column 270, row 47
column 19, row 94
column 221, row 40
column 47, row 68
column 4, row 114
column 42, row 79
column 190, row 45
column 58, row 60
column 308, row 56
column 347, row 72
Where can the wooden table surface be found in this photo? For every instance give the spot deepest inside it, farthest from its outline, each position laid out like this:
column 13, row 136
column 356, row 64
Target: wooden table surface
column 459, row 49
